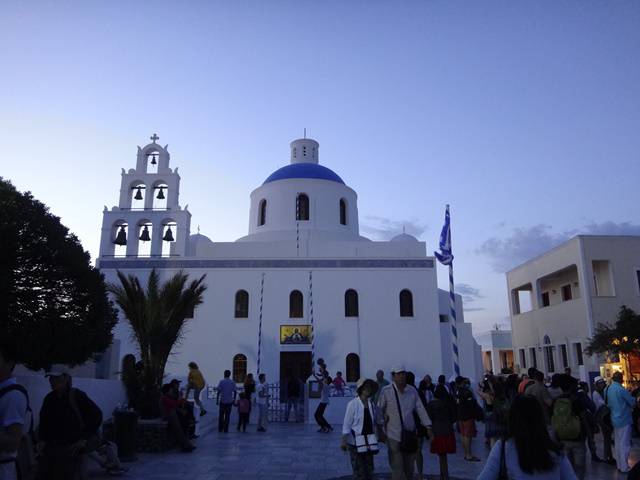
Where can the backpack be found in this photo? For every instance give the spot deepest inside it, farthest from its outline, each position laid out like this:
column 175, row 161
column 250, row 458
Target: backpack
column 25, row 459
column 564, row 422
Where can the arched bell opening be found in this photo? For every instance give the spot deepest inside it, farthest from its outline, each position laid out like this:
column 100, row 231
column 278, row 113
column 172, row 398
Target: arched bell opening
column 138, row 193
column 120, row 237
column 169, row 236
column 145, row 234
column 160, row 193
column 153, row 159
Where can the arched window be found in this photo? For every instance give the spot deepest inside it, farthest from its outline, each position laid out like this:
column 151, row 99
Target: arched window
column 239, row 368
column 406, row 303
column 242, row 304
column 295, row 304
column 262, row 212
column 343, row 212
column 350, row 303
column 302, row 207
column 353, row 367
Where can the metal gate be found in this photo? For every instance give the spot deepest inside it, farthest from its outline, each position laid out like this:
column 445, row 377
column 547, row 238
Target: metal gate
column 278, row 405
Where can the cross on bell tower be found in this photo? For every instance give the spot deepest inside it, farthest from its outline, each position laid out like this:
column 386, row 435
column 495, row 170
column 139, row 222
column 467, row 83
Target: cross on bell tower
column 148, row 220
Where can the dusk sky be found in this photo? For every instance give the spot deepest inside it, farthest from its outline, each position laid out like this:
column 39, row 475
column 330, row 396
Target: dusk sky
column 524, row 116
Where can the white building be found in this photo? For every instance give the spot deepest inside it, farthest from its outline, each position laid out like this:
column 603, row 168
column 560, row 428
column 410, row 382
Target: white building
column 497, row 350
column 557, row 300
column 302, row 264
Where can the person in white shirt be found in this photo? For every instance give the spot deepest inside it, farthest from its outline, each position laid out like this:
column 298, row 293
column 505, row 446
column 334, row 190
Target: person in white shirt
column 358, row 430
column 13, row 412
column 397, row 403
column 262, row 399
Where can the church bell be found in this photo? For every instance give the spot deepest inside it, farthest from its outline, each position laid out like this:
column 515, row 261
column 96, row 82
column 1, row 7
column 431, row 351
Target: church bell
column 138, row 195
column 160, row 195
column 121, row 237
column 145, row 234
column 168, row 236
column 153, row 160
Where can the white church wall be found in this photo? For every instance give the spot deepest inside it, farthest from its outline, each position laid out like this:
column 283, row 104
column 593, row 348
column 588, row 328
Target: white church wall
column 379, row 335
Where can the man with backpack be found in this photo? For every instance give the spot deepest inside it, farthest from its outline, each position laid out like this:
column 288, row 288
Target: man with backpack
column 14, row 404
column 567, row 421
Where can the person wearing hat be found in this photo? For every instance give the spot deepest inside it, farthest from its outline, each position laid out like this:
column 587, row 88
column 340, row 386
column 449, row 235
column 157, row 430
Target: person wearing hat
column 358, row 430
column 603, row 418
column 397, row 404
column 69, row 422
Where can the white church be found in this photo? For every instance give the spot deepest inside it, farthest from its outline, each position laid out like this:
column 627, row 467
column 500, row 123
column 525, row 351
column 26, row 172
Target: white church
column 302, row 282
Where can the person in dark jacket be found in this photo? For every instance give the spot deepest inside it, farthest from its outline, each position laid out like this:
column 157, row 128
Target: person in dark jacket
column 443, row 415
column 69, row 422
column 468, row 411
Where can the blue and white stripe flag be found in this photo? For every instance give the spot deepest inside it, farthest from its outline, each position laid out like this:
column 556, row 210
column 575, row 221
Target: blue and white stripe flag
column 445, row 256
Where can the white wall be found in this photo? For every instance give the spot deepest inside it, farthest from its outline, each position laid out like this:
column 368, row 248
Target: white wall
column 105, row 393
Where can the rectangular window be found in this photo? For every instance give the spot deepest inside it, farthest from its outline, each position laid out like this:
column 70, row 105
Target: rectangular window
column 545, row 299
column 579, row 353
column 602, row 278
column 566, row 293
column 444, row 318
column 534, row 360
column 548, row 352
column 563, row 354
column 523, row 358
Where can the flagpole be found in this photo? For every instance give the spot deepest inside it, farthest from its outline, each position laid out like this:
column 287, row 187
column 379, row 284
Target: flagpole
column 454, row 330
column 452, row 305
column 260, row 322
column 445, row 257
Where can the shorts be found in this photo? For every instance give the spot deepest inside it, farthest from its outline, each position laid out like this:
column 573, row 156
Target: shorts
column 467, row 428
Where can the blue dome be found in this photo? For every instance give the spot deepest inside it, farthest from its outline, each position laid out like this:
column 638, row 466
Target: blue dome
column 304, row 170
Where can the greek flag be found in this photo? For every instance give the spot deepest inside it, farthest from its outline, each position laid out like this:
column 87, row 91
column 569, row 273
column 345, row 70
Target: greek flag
column 445, row 256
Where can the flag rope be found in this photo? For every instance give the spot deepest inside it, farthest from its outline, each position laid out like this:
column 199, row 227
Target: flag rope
column 260, row 322
column 313, row 337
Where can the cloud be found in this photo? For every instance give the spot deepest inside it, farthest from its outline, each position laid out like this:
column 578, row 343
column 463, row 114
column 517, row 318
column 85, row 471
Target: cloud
column 382, row 228
column 526, row 243
column 469, row 293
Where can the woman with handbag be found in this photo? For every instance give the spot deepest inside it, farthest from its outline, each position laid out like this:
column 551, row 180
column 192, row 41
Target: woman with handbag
column 528, row 452
column 358, row 430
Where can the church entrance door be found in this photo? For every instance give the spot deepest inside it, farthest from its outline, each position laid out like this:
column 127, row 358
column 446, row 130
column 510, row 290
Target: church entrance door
column 296, row 363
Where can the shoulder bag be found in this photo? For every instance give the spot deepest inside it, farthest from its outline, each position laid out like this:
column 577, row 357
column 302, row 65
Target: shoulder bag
column 367, row 443
column 408, row 438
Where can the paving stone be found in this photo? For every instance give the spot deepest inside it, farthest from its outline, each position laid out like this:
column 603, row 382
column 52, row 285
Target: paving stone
column 295, row 452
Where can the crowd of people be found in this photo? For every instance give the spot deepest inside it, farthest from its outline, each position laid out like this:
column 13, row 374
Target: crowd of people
column 534, row 427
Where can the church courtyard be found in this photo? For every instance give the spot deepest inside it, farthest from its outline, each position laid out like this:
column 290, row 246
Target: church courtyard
column 295, row 452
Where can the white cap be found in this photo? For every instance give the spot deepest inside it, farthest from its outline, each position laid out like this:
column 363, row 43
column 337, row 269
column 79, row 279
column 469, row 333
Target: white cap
column 56, row 371
column 398, row 369
column 598, row 379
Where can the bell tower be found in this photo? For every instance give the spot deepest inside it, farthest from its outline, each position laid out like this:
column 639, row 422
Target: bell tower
column 148, row 221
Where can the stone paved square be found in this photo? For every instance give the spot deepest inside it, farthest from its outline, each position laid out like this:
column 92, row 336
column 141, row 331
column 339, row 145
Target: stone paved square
column 296, row 452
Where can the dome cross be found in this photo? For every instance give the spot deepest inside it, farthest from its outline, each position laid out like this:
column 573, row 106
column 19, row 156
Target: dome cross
column 154, row 137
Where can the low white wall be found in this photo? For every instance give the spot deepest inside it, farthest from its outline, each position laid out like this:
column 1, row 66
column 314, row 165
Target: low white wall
column 105, row 393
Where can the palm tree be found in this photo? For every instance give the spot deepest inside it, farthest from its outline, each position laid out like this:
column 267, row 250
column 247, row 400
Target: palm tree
column 157, row 315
